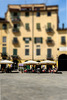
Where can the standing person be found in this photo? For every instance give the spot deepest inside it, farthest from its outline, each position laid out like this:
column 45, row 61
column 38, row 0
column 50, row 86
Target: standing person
column 56, row 68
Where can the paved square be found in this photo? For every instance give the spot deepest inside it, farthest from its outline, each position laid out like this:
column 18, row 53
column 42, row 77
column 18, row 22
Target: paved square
column 25, row 86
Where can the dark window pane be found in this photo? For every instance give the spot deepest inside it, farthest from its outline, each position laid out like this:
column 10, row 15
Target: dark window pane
column 26, row 51
column 37, row 51
column 49, row 13
column 48, row 52
column 4, row 26
column 38, row 14
column 15, row 25
column 26, row 14
column 15, row 14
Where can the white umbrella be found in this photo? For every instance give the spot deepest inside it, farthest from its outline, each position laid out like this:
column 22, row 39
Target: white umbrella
column 31, row 62
column 47, row 62
column 6, row 62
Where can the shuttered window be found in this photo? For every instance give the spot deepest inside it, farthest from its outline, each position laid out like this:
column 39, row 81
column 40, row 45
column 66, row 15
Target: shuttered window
column 38, row 40
column 63, row 39
column 27, row 26
column 4, row 50
column 49, row 53
column 4, row 39
column 26, row 51
column 38, row 25
column 14, row 51
column 48, row 25
column 37, row 52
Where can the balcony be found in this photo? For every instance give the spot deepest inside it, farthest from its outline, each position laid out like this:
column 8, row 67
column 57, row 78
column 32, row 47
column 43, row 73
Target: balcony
column 15, row 30
column 49, row 41
column 63, row 42
column 4, row 54
column 49, row 30
column 15, row 19
column 50, row 57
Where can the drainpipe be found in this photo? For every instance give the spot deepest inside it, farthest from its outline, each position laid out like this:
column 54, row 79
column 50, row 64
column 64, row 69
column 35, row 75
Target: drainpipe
column 32, row 35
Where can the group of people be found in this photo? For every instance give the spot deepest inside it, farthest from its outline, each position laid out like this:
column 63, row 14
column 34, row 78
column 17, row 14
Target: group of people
column 39, row 69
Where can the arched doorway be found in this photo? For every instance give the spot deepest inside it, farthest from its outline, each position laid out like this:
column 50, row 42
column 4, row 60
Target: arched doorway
column 62, row 62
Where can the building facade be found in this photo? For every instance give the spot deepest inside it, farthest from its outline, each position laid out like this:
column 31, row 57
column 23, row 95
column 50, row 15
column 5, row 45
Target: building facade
column 32, row 33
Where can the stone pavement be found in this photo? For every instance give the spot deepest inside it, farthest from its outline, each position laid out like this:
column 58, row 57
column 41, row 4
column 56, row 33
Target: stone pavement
column 29, row 86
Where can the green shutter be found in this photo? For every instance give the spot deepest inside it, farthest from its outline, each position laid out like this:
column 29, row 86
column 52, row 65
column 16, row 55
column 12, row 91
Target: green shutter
column 14, row 51
column 49, row 25
column 24, row 39
column 41, row 40
column 34, row 40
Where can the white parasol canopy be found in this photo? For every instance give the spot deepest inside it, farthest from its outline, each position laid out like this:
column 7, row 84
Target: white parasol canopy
column 30, row 62
column 6, row 62
column 47, row 62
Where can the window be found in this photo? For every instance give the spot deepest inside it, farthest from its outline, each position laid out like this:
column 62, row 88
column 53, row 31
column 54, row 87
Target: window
column 15, row 40
column 4, row 26
column 14, row 51
column 15, row 14
column 15, row 25
column 37, row 52
column 38, row 40
column 38, row 14
column 48, row 13
column 4, row 50
column 63, row 40
column 48, row 38
column 26, row 51
column 38, row 26
column 48, row 53
column 49, row 25
column 27, row 26
column 27, row 40
column 4, row 39
column 26, row 14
